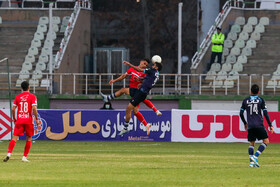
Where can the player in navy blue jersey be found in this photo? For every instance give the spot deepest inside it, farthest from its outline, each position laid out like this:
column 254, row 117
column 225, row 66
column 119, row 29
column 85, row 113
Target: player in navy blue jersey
column 140, row 95
column 254, row 107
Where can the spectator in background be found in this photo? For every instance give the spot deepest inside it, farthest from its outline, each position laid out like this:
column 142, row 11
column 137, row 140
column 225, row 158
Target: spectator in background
column 217, row 46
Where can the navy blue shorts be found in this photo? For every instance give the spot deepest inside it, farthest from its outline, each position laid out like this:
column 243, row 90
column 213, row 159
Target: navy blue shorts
column 132, row 91
column 257, row 133
column 138, row 98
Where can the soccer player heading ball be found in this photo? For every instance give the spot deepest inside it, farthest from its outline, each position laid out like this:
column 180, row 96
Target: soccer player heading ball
column 254, row 105
column 26, row 103
column 140, row 95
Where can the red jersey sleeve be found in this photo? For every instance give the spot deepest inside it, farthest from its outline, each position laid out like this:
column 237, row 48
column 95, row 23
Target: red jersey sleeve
column 16, row 101
column 129, row 71
column 34, row 100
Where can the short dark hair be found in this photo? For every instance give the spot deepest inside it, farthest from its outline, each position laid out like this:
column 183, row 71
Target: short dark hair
column 147, row 60
column 24, row 85
column 255, row 89
column 159, row 65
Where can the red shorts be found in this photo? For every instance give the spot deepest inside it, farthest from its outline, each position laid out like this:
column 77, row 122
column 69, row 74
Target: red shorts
column 21, row 128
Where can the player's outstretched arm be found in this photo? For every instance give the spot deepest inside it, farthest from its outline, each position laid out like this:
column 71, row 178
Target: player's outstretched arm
column 35, row 112
column 120, row 78
column 14, row 113
column 134, row 67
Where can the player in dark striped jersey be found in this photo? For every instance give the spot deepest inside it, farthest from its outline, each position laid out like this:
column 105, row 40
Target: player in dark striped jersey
column 140, row 95
column 254, row 107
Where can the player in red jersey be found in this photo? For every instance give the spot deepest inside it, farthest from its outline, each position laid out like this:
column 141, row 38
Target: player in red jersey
column 135, row 80
column 26, row 103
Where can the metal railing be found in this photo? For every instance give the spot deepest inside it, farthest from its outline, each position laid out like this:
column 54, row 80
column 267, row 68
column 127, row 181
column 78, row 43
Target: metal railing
column 206, row 43
column 168, row 84
column 63, row 4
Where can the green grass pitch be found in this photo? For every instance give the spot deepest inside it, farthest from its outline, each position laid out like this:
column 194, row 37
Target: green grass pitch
column 65, row 163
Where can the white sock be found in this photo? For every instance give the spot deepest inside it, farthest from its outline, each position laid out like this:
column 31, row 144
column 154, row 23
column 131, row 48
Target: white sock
column 9, row 154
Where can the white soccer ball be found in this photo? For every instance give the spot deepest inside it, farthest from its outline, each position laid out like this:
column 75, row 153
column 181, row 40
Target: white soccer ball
column 156, row 58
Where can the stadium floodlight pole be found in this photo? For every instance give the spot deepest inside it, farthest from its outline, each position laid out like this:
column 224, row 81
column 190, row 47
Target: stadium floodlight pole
column 180, row 5
column 50, row 47
column 10, row 95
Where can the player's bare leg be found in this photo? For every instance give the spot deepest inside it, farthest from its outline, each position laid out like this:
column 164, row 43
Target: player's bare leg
column 27, row 149
column 10, row 148
column 107, row 98
column 149, row 104
column 141, row 118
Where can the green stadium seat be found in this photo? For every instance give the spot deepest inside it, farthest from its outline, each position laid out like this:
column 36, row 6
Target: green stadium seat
column 215, row 67
column 222, row 75
column 251, row 44
column 235, row 29
column 43, row 20
column 233, row 75
column 246, row 51
column 247, row 28
column 65, row 20
column 264, row 21
column 243, row 36
column 253, row 20
column 41, row 66
column 255, row 36
column 211, row 75
column 42, row 28
column 34, row 83
column 48, row 42
column 235, row 51
column 19, row 81
column 39, row 36
column 240, row 21
column 260, row 28
column 232, row 36
column 24, row 74
column 37, row 74
column 228, row 43
column 239, row 43
column 27, row 66
column 33, row 51
column 29, row 58
column 217, row 84
column 238, row 67
column 228, row 84
column 43, row 58
column 226, row 67
column 231, row 59
column 56, row 20
column 271, row 84
column 36, row 43
column 51, row 35
column 45, row 83
column 242, row 59
column 225, row 51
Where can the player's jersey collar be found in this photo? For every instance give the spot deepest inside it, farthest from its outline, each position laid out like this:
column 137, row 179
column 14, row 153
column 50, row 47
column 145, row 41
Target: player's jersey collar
column 253, row 97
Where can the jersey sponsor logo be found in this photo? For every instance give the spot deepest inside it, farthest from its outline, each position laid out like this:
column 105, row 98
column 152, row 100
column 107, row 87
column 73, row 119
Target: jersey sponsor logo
column 5, row 127
column 39, row 129
column 24, row 98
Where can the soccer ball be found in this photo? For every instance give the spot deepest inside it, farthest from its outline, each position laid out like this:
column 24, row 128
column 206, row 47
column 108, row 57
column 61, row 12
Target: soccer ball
column 156, row 58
